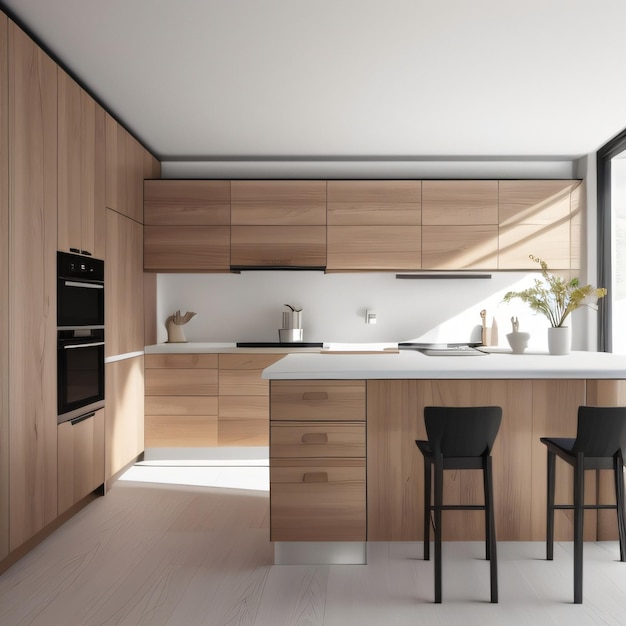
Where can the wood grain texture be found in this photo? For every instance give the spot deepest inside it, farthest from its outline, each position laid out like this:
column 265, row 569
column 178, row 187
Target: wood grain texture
column 181, row 382
column 124, row 428
column 185, row 361
column 459, row 202
column 190, row 248
column 244, row 361
column 374, row 203
column 578, row 222
column 246, row 407
column 149, row 308
column 181, row 405
column 342, row 400
column 180, row 431
column 278, row 202
column 278, row 245
column 4, row 287
column 32, row 289
column 374, row 247
column 151, row 166
column 242, row 383
column 80, row 459
column 317, row 439
column 242, row 432
column 332, row 510
column 187, row 202
column 81, row 171
column 548, row 242
column 123, row 278
column 459, row 247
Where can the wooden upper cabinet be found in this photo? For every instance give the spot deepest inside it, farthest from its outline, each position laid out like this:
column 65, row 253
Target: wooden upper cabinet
column 374, row 225
column 187, row 202
column 374, row 202
column 278, row 202
column 124, row 171
column 459, row 224
column 535, row 218
column 81, row 170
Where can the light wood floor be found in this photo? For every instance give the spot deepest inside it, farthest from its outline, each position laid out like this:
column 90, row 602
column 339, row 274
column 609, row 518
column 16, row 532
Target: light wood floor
column 184, row 555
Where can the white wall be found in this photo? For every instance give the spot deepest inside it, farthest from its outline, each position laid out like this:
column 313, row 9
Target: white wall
column 243, row 307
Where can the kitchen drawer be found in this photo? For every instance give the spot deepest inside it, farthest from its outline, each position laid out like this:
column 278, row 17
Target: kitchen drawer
column 328, row 400
column 243, row 383
column 318, row 500
column 181, row 405
column 316, row 439
column 184, row 361
column 180, row 431
column 181, row 382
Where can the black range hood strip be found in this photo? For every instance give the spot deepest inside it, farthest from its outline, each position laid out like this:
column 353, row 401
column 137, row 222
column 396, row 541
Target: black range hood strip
column 265, row 268
column 442, row 276
column 276, row 344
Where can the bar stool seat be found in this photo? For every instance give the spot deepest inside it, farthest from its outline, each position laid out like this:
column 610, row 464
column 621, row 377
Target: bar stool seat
column 600, row 444
column 459, row 438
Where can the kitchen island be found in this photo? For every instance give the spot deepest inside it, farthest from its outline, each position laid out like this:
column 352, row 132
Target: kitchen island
column 344, row 466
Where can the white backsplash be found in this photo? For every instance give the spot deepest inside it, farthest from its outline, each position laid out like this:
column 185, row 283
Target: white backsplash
column 249, row 306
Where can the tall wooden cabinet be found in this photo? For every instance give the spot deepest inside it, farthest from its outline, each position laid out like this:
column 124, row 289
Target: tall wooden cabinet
column 4, row 288
column 32, row 287
column 81, row 158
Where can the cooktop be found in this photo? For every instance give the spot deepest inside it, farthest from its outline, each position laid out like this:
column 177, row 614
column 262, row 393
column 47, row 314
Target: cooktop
column 279, row 344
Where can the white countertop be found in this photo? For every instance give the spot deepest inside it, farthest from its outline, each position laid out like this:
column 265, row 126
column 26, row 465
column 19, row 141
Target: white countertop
column 411, row 364
column 214, row 347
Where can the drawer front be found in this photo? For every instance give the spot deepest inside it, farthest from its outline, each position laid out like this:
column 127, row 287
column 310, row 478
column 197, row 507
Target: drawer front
column 328, row 400
column 184, row 361
column 248, row 361
column 317, row 439
column 243, row 383
column 180, row 382
column 180, row 431
column 319, row 501
column 181, row 405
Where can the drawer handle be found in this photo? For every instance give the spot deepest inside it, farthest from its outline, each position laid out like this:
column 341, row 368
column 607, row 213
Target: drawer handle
column 315, row 395
column 314, row 438
column 315, row 477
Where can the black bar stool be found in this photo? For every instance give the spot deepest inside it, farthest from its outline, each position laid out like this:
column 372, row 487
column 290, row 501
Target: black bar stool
column 459, row 438
column 600, row 443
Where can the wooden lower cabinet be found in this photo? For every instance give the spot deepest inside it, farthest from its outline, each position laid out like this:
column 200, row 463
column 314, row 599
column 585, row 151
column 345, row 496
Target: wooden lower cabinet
column 80, row 459
column 318, row 500
column 317, row 462
column 207, row 400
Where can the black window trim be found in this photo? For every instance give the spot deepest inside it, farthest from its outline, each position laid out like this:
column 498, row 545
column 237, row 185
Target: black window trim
column 603, row 172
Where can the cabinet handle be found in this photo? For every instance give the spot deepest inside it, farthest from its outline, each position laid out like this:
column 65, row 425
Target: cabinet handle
column 82, row 418
column 314, row 438
column 315, row 477
column 86, row 252
column 315, row 395
column 76, row 250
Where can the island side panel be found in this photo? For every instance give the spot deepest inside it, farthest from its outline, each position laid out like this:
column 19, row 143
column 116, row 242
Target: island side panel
column 395, row 467
column 555, row 414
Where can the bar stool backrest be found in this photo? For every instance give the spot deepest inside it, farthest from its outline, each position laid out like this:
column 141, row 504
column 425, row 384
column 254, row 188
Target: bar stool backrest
column 462, row 431
column 601, row 431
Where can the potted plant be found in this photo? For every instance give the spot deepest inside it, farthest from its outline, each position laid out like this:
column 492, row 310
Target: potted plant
column 555, row 297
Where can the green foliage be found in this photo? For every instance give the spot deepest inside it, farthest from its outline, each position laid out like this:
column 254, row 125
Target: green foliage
column 555, row 297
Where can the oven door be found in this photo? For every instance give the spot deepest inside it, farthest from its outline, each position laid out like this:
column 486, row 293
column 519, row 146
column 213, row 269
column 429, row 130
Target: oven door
column 79, row 303
column 80, row 380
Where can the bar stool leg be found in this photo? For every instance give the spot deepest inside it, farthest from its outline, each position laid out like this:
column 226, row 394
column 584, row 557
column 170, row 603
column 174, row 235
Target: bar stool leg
column 427, row 507
column 438, row 505
column 486, row 478
column 491, row 537
column 550, row 507
column 579, row 500
column 618, row 469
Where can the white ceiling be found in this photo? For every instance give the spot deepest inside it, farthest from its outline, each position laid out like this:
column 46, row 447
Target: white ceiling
column 208, row 79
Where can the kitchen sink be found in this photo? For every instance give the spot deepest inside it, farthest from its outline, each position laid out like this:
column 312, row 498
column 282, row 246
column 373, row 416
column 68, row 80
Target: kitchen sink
column 444, row 349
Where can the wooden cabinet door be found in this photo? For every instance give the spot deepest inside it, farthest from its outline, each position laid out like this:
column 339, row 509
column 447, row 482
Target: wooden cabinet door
column 124, row 285
column 459, row 224
column 278, row 202
column 80, row 459
column 81, row 169
column 187, row 202
column 124, row 171
column 124, row 428
column 32, row 287
column 374, row 225
column 278, row 246
column 535, row 218
column 4, row 288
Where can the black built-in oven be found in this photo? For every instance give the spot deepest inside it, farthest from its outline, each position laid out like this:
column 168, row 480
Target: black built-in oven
column 80, row 335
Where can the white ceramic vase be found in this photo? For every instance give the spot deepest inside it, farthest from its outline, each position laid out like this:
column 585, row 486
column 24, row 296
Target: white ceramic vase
column 518, row 341
column 559, row 340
